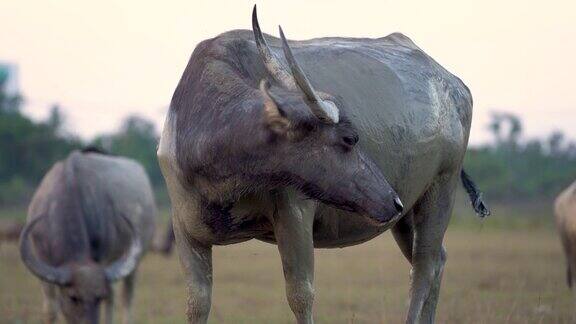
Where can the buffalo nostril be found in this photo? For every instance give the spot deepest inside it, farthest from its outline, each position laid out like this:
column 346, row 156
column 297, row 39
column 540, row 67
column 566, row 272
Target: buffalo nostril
column 398, row 204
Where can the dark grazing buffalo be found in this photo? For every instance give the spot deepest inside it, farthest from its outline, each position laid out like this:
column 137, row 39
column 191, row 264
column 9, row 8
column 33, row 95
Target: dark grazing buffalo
column 321, row 143
column 89, row 223
column 10, row 230
column 565, row 212
column 164, row 240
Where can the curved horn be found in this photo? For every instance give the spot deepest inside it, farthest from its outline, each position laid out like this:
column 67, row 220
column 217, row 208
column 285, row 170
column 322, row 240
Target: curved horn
column 125, row 265
column 56, row 275
column 297, row 72
column 271, row 62
column 323, row 109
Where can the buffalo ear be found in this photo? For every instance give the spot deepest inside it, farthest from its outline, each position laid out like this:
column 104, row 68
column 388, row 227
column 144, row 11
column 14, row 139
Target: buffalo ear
column 273, row 117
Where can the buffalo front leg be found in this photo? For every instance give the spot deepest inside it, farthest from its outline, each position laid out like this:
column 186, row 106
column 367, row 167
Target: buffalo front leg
column 109, row 308
column 196, row 261
column 50, row 304
column 127, row 297
column 403, row 232
column 431, row 217
column 293, row 225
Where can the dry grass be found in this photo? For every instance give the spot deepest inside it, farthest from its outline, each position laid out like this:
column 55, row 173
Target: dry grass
column 492, row 276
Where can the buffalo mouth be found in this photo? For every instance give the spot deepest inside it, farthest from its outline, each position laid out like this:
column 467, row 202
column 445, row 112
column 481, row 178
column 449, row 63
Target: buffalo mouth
column 382, row 221
column 384, row 216
column 379, row 217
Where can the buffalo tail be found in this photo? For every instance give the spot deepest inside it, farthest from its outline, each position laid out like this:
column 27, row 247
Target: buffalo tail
column 475, row 195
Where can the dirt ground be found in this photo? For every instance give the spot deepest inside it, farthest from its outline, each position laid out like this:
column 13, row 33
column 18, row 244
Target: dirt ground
column 493, row 275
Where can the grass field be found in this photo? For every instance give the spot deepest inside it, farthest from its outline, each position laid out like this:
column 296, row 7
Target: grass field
column 495, row 274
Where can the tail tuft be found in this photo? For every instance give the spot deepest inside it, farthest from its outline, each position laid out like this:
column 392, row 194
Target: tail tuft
column 475, row 195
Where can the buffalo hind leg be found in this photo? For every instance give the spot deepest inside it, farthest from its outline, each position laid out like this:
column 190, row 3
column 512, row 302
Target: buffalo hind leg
column 128, row 296
column 431, row 217
column 50, row 305
column 293, row 225
column 196, row 261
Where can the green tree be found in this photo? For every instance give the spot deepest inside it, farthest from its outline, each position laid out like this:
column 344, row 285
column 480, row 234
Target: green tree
column 512, row 169
column 55, row 119
column 9, row 103
column 137, row 139
column 27, row 148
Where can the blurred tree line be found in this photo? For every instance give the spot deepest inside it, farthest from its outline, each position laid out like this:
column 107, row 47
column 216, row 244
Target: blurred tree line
column 512, row 169
column 28, row 148
column 507, row 169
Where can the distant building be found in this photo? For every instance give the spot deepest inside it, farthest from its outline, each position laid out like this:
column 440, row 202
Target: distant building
column 10, row 72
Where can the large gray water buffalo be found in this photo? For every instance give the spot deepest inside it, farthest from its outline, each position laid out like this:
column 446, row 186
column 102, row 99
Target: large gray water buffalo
column 89, row 223
column 565, row 212
column 321, row 143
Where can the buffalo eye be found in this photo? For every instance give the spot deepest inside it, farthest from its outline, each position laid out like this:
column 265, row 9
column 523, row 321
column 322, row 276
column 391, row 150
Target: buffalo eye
column 74, row 299
column 349, row 140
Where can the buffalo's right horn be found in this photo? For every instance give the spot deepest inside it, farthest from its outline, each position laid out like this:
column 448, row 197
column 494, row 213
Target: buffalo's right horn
column 56, row 275
column 292, row 78
column 126, row 264
column 323, row 109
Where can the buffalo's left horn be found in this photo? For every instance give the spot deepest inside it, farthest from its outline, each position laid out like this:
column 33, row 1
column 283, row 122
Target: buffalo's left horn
column 56, row 275
column 125, row 265
column 323, row 109
column 271, row 62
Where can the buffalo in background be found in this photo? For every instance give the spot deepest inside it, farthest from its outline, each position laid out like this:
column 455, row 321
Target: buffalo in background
column 89, row 223
column 565, row 212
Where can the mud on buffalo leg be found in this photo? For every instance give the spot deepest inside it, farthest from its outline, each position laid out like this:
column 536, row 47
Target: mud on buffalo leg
column 128, row 296
column 196, row 261
column 293, row 225
column 50, row 303
column 431, row 217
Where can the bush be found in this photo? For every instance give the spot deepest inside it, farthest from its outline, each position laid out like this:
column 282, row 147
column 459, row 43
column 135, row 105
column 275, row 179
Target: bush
column 15, row 192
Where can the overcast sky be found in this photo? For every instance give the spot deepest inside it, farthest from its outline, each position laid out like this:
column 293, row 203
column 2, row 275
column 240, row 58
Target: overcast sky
column 102, row 60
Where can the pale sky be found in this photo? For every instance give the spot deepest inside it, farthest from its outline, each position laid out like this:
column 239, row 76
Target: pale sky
column 102, row 60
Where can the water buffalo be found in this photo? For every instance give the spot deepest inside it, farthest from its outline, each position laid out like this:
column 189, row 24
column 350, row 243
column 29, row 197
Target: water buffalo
column 164, row 240
column 321, row 143
column 89, row 223
column 565, row 212
column 10, row 230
